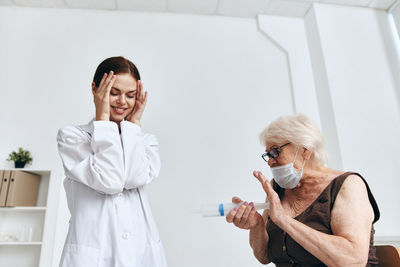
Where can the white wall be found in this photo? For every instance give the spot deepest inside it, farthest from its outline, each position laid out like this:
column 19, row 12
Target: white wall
column 356, row 50
column 395, row 11
column 214, row 83
column 393, row 46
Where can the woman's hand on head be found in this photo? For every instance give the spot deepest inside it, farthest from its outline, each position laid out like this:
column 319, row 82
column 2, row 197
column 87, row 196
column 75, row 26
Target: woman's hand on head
column 101, row 96
column 276, row 212
column 245, row 217
column 140, row 104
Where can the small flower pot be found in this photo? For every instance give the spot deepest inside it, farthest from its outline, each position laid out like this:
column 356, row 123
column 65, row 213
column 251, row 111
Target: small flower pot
column 19, row 164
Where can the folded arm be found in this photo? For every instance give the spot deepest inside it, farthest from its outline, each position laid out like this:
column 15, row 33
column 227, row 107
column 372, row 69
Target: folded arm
column 99, row 163
column 141, row 155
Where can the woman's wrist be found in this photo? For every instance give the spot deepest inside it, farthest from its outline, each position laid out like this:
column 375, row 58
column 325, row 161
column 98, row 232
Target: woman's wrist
column 258, row 236
column 102, row 118
column 259, row 225
column 283, row 222
column 137, row 122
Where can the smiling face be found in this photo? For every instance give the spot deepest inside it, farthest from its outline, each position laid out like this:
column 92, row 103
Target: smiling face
column 122, row 97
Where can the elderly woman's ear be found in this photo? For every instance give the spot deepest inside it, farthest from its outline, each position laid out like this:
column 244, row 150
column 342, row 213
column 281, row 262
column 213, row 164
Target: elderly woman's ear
column 306, row 154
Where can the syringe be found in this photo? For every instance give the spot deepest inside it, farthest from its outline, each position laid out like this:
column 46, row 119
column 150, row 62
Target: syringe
column 223, row 209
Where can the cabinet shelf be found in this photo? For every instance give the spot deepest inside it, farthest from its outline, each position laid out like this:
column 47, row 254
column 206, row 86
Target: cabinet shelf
column 22, row 209
column 27, row 232
column 20, row 243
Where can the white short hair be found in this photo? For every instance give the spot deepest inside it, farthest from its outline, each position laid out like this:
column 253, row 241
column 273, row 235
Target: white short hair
column 299, row 130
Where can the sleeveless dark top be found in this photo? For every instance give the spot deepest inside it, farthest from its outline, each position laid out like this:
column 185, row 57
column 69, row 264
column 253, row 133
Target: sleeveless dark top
column 284, row 251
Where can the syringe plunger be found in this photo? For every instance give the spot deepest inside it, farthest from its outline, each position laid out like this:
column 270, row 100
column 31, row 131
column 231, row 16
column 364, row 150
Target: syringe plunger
column 223, row 209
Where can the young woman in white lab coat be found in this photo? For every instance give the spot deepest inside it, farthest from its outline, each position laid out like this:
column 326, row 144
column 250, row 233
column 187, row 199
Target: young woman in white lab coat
column 107, row 164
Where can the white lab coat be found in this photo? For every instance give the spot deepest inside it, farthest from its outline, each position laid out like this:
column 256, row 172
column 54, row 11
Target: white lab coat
column 111, row 223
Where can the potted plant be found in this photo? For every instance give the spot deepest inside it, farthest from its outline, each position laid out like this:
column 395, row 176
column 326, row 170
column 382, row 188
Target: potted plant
column 20, row 158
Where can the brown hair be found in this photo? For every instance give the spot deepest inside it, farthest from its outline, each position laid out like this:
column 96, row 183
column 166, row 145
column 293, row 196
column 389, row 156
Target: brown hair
column 117, row 65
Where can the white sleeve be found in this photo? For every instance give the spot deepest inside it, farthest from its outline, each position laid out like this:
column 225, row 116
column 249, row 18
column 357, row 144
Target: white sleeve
column 97, row 163
column 142, row 158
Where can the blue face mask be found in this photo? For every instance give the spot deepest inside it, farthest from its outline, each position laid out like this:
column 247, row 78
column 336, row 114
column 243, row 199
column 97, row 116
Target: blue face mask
column 286, row 176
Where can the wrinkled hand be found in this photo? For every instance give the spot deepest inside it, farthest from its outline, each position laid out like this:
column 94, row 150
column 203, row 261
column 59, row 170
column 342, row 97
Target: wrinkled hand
column 102, row 97
column 276, row 212
column 140, row 104
column 245, row 217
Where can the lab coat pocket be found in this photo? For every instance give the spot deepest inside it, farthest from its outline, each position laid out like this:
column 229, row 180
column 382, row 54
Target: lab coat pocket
column 154, row 255
column 80, row 256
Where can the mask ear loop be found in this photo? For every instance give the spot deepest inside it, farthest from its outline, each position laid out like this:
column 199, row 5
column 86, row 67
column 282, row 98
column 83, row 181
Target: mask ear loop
column 295, row 155
column 304, row 163
column 302, row 167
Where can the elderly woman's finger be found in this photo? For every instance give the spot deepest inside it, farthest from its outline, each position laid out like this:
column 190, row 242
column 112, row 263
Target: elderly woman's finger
column 240, row 211
column 231, row 215
column 236, row 200
column 271, row 194
column 261, row 178
column 252, row 212
column 247, row 212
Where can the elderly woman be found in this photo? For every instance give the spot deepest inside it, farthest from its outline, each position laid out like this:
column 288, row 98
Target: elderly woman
column 318, row 216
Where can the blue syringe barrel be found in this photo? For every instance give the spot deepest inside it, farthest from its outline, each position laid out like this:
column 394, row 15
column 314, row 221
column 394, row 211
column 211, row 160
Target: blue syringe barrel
column 222, row 209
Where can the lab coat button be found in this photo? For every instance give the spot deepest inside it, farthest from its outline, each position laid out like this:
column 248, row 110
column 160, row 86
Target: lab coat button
column 120, row 194
column 125, row 236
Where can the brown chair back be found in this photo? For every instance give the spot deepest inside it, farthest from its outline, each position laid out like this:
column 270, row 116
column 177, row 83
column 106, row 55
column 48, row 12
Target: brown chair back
column 388, row 256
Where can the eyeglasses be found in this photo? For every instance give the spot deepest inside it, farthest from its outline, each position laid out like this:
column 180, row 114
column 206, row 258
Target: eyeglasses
column 273, row 153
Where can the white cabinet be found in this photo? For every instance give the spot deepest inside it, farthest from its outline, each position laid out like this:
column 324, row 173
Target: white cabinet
column 27, row 233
